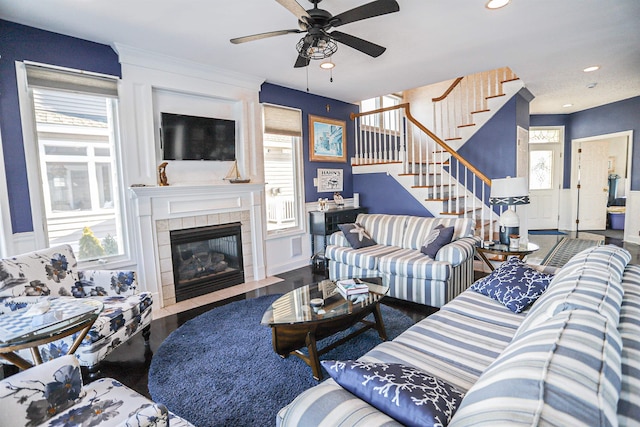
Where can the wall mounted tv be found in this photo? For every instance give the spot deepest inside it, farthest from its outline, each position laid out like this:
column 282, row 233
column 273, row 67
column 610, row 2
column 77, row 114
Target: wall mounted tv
column 197, row 138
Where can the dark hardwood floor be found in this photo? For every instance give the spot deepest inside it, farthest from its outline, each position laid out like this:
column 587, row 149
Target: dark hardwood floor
column 130, row 362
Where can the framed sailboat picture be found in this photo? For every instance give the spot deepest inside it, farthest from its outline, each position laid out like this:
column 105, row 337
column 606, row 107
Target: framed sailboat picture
column 327, row 140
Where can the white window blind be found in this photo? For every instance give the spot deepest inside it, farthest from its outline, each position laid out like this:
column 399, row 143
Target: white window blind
column 50, row 78
column 282, row 121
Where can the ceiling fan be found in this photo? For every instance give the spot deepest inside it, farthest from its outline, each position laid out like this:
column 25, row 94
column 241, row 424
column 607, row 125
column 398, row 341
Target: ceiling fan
column 318, row 43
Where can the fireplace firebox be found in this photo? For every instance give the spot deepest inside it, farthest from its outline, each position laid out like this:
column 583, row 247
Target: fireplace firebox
column 206, row 259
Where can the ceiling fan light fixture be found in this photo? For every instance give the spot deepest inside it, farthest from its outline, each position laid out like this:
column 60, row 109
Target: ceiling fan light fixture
column 496, row 4
column 327, row 65
column 324, row 48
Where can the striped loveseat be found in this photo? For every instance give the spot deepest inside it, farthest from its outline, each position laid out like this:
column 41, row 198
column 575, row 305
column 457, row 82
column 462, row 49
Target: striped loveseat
column 396, row 257
column 571, row 359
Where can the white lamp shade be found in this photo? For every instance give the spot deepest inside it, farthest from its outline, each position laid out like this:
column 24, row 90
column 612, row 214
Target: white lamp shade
column 509, row 191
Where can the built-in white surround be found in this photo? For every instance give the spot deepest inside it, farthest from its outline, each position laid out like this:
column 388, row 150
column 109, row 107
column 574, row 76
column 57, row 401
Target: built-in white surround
column 159, row 210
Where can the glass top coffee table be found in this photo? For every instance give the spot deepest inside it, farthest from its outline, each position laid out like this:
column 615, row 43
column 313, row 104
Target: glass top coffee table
column 60, row 317
column 295, row 323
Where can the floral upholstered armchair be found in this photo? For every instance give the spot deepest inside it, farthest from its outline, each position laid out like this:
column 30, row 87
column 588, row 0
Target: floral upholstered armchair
column 29, row 278
column 52, row 394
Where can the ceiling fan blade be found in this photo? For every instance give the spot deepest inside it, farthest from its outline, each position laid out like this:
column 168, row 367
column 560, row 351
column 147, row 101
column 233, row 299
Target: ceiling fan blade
column 302, row 61
column 357, row 43
column 294, row 7
column 245, row 39
column 369, row 10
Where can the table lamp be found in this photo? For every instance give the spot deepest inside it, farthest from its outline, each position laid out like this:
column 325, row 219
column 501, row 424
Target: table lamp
column 509, row 192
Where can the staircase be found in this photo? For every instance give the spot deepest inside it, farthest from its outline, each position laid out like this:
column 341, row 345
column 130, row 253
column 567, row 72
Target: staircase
column 392, row 141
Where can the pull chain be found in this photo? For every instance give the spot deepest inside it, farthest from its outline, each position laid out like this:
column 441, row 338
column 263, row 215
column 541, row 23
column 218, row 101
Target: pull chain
column 307, row 67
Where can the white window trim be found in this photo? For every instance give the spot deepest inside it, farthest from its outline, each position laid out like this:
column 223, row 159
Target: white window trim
column 6, row 244
column 36, row 196
column 301, row 228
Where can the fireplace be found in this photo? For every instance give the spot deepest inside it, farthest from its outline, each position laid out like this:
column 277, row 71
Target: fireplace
column 206, row 259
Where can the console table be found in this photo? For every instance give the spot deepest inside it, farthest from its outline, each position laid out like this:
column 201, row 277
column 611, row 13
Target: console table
column 324, row 223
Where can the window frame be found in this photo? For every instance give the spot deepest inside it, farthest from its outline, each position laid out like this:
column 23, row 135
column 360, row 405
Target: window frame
column 36, row 193
column 299, row 195
column 379, row 103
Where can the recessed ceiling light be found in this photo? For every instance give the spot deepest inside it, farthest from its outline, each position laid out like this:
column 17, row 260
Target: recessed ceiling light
column 567, row 105
column 590, row 69
column 496, row 4
column 592, row 85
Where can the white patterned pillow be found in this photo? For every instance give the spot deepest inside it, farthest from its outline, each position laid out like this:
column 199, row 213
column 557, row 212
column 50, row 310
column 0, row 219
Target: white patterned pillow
column 514, row 284
column 411, row 396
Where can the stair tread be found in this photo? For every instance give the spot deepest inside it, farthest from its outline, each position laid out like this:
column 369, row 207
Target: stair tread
column 467, row 125
column 495, row 96
column 453, row 139
column 382, row 162
column 481, row 111
column 460, row 212
column 431, row 186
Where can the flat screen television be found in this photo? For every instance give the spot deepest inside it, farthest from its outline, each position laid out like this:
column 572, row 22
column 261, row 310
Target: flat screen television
column 197, row 138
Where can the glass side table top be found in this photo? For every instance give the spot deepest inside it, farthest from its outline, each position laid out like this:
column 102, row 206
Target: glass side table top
column 62, row 313
column 499, row 248
column 295, row 306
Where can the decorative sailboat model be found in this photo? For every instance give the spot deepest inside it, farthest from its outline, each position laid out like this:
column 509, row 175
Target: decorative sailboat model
column 234, row 176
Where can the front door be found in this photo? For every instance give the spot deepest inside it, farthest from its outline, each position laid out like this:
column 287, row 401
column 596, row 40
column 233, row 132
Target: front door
column 545, row 172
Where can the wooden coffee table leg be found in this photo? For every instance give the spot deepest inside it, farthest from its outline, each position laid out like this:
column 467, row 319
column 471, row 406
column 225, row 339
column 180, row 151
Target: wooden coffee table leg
column 377, row 314
column 314, row 360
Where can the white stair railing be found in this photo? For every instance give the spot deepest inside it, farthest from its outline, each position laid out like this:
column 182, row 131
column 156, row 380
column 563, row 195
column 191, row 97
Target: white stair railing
column 465, row 97
column 393, row 135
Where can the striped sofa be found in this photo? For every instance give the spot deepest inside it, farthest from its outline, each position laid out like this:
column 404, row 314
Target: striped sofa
column 396, row 257
column 571, row 359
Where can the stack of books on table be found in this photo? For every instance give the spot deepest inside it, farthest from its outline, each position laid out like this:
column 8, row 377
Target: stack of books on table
column 351, row 287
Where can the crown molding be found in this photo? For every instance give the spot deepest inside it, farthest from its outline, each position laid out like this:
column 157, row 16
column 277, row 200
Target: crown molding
column 142, row 58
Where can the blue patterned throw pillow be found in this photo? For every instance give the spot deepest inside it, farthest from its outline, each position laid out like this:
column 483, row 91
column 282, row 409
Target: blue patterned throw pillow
column 356, row 235
column 411, row 396
column 514, row 284
column 437, row 238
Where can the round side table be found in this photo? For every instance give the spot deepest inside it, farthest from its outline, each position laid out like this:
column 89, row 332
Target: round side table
column 504, row 251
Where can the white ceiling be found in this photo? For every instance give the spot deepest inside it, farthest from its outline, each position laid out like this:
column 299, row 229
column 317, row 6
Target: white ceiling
column 546, row 43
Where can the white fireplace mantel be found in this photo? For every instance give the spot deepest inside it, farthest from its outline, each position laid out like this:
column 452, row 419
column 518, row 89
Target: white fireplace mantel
column 197, row 205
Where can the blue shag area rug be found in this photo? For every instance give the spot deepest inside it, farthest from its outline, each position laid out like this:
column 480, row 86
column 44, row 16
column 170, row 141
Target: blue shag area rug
column 547, row 232
column 219, row 369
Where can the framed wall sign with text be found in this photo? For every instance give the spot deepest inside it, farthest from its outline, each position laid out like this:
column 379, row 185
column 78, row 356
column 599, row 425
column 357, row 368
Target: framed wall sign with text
column 327, row 140
column 330, row 180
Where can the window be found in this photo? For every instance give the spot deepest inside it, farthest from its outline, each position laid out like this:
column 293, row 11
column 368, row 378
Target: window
column 282, row 169
column 387, row 120
column 76, row 129
column 545, row 136
column 541, row 170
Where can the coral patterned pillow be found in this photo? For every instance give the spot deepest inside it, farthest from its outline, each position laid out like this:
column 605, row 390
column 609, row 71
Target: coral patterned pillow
column 514, row 284
column 411, row 396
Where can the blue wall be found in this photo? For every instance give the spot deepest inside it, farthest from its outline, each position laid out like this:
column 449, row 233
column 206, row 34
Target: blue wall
column 381, row 193
column 611, row 118
column 317, row 106
column 493, row 148
column 19, row 43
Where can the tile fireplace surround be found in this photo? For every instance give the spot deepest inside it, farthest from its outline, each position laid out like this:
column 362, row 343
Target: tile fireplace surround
column 159, row 210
